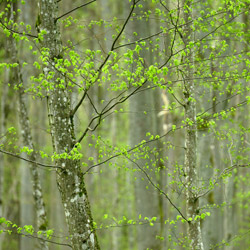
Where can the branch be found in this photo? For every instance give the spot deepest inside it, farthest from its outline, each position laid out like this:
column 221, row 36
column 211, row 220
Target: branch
column 39, row 238
column 119, row 34
column 225, row 171
column 160, row 191
column 72, row 113
column 16, row 32
column 140, row 40
column 74, row 10
column 131, row 149
column 22, row 158
column 103, row 112
column 155, row 139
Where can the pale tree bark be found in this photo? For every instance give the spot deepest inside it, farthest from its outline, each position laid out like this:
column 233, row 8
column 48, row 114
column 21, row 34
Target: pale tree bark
column 231, row 214
column 209, row 159
column 27, row 208
column 4, row 92
column 142, row 122
column 41, row 220
column 7, row 108
column 243, row 212
column 192, row 201
column 70, row 178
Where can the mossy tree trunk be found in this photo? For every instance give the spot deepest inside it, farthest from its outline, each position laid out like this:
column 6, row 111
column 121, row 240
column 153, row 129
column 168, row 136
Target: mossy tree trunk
column 70, row 178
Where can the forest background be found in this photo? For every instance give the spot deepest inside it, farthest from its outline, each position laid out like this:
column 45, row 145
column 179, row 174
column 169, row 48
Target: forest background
column 124, row 124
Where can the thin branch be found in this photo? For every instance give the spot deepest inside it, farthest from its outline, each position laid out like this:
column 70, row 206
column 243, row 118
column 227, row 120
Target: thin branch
column 226, row 243
column 131, row 149
column 39, row 238
column 92, row 104
column 155, row 186
column 119, row 34
column 22, row 158
column 155, row 139
column 17, row 32
column 85, row 4
column 103, row 112
column 137, row 41
column 72, row 113
column 225, row 171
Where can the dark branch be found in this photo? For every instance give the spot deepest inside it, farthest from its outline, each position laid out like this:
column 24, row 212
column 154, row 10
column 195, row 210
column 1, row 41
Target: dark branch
column 22, row 158
column 39, row 238
column 140, row 40
column 65, row 14
column 103, row 112
column 72, row 113
column 17, row 32
column 155, row 186
column 119, row 34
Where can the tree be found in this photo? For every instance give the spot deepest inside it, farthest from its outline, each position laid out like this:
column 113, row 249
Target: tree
column 179, row 50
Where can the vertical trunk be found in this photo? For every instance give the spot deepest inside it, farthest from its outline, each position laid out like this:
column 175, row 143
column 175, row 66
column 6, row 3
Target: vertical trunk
column 146, row 198
column 41, row 220
column 4, row 92
column 70, row 179
column 192, row 202
column 141, row 122
column 26, row 204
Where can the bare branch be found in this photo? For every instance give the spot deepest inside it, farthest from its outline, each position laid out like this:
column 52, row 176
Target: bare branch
column 85, row 4
column 22, row 158
column 156, row 187
column 137, row 41
column 72, row 113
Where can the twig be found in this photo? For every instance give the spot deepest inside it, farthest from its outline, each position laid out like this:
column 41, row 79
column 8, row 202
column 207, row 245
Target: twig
column 74, row 10
column 137, row 41
column 39, row 238
column 103, row 112
column 17, row 32
column 155, row 186
column 22, row 158
column 119, row 34
column 72, row 113
column 225, row 171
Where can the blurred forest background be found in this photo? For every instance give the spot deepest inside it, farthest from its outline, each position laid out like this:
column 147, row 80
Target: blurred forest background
column 146, row 103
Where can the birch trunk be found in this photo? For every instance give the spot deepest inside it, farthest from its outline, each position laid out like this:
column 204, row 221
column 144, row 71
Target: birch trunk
column 192, row 202
column 70, row 179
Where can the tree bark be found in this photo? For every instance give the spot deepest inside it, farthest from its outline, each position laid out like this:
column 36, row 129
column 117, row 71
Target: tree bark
column 192, row 202
column 70, row 178
column 141, row 122
column 41, row 220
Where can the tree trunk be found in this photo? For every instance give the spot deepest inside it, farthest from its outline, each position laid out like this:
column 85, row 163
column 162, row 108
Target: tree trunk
column 41, row 218
column 70, row 178
column 192, row 202
column 41, row 221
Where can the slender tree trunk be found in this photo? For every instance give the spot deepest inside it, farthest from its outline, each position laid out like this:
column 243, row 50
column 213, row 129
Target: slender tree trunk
column 70, row 179
column 192, row 202
column 141, row 122
column 41, row 220
column 4, row 92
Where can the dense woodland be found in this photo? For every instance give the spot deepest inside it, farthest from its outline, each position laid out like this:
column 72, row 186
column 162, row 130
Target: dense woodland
column 124, row 124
